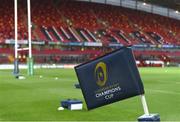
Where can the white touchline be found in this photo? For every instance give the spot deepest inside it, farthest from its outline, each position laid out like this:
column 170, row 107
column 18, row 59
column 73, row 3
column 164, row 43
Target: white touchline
column 162, row 91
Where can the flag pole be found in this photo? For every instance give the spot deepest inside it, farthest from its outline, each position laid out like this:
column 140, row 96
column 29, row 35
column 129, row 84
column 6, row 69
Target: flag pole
column 147, row 117
column 144, row 103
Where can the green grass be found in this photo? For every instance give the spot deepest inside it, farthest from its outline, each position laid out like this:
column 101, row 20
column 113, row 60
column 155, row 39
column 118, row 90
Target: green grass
column 38, row 98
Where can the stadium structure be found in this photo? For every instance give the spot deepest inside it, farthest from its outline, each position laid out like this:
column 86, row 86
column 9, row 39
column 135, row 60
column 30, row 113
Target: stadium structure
column 72, row 32
column 57, row 35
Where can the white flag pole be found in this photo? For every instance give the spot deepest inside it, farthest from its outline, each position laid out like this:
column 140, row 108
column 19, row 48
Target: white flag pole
column 144, row 103
column 147, row 117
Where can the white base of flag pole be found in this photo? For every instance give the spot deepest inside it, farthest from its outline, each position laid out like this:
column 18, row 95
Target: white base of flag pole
column 147, row 116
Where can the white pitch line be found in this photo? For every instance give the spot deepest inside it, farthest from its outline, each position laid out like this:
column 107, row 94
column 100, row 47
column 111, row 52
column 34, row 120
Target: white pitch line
column 169, row 82
column 163, row 91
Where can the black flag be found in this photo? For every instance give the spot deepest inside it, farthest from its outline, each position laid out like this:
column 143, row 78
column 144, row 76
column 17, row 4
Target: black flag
column 110, row 78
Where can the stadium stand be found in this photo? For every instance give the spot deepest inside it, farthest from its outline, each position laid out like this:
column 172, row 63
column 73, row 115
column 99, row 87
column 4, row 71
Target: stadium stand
column 64, row 22
column 70, row 15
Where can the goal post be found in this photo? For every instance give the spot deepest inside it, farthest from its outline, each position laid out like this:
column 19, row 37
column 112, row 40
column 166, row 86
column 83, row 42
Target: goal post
column 16, row 62
column 16, row 67
column 30, row 59
column 30, row 63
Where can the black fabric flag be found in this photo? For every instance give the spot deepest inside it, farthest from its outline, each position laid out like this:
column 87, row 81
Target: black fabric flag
column 110, row 78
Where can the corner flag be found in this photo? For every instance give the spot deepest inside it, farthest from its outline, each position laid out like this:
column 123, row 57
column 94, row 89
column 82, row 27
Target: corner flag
column 110, row 78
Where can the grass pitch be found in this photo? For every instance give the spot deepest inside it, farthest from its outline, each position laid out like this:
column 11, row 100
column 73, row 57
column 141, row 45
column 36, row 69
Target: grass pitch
column 38, row 97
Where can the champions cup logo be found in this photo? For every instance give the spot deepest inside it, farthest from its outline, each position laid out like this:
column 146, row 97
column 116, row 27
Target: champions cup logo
column 101, row 74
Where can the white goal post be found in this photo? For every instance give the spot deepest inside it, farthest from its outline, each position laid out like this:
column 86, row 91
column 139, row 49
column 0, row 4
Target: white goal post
column 29, row 48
